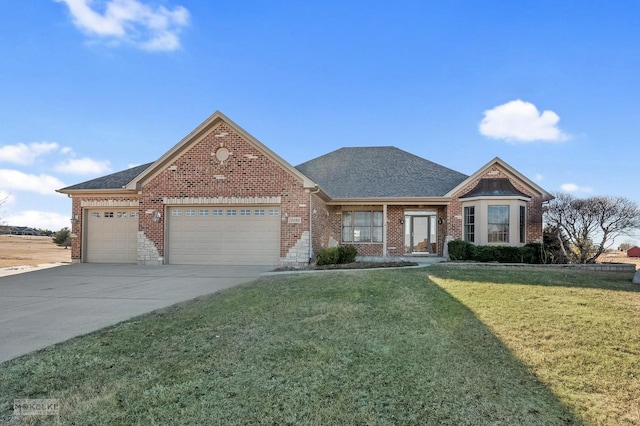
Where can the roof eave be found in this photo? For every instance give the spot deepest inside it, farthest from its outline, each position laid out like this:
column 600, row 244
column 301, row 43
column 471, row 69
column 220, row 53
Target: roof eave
column 439, row 201
column 100, row 192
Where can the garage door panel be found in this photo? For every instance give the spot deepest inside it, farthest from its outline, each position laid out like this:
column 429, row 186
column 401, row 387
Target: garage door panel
column 218, row 237
column 111, row 236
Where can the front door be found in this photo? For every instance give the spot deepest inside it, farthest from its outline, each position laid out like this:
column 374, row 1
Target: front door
column 420, row 234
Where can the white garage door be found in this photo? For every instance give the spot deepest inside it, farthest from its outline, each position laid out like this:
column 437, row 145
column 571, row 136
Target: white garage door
column 213, row 235
column 112, row 236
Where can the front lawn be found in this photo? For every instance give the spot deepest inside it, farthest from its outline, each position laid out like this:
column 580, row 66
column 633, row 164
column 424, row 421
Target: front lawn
column 374, row 347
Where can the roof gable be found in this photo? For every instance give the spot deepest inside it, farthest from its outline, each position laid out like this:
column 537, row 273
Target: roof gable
column 544, row 195
column 379, row 172
column 197, row 134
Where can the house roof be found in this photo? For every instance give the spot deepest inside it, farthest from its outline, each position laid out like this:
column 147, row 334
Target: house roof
column 494, row 187
column 379, row 172
column 116, row 180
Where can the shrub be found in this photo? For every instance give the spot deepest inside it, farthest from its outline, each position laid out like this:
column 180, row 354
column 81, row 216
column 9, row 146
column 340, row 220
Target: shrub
column 460, row 250
column 327, row 256
column 347, row 254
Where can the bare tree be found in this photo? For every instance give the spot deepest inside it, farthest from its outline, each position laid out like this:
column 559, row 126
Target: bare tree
column 590, row 225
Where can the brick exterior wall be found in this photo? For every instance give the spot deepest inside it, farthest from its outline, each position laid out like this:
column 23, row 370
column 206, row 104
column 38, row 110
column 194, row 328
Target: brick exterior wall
column 247, row 172
column 197, row 172
column 395, row 229
column 534, row 206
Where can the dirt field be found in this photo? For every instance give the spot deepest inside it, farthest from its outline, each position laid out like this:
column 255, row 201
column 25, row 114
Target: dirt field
column 618, row 257
column 17, row 250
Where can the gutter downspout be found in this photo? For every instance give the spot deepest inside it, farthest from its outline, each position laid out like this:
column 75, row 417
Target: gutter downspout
column 311, row 221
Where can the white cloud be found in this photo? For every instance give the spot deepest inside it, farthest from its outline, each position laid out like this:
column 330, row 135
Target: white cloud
column 572, row 187
column 6, row 198
column 84, row 166
column 519, row 121
column 145, row 26
column 25, row 154
column 19, row 181
column 38, row 219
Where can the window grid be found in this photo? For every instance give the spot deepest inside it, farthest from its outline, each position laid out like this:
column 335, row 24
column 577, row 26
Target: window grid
column 203, row 212
column 190, row 212
column 523, row 224
column 216, row 212
column 470, row 224
column 232, row 212
column 176, row 212
column 245, row 212
column 362, row 226
column 274, row 212
column 258, row 212
column 498, row 224
column 108, row 214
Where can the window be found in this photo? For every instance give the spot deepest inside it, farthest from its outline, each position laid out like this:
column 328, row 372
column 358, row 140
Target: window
column 258, row 212
column 274, row 212
column 108, row 214
column 95, row 214
column 232, row 212
column 523, row 224
column 498, row 224
column 122, row 215
column 176, row 212
column 190, row 212
column 245, row 212
column 470, row 224
column 203, row 212
column 216, row 212
column 362, row 227
column 133, row 214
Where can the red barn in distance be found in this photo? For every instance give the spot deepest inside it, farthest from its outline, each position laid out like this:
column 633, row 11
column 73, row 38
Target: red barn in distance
column 633, row 252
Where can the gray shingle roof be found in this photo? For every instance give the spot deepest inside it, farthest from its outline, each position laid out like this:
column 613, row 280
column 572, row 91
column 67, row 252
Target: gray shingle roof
column 386, row 171
column 494, row 187
column 113, row 181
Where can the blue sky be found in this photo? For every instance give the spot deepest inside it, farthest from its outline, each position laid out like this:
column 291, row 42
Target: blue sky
column 93, row 87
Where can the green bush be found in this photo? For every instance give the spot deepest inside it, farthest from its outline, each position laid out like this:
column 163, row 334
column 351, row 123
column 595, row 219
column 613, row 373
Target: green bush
column 327, row 256
column 347, row 254
column 462, row 250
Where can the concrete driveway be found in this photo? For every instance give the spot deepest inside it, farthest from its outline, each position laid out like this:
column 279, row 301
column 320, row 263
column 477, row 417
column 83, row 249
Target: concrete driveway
column 47, row 306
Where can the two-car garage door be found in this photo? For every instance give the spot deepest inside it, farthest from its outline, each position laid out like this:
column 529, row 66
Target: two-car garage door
column 223, row 235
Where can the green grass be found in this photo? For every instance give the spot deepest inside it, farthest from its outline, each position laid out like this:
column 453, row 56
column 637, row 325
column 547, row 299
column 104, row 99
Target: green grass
column 578, row 332
column 375, row 347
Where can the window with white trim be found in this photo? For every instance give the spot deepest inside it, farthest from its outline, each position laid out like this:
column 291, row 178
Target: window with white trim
column 216, row 212
column 176, row 212
column 470, row 224
column 203, row 212
column 258, row 212
column 362, row 226
column 274, row 212
column 498, row 224
column 232, row 212
column 245, row 212
column 523, row 224
column 190, row 212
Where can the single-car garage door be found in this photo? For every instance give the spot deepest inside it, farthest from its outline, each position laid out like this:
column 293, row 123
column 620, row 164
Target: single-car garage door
column 112, row 236
column 223, row 235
